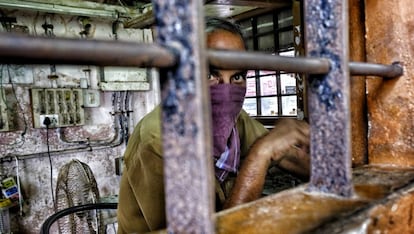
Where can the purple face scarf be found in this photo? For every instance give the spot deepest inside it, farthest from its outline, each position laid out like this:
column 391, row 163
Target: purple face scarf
column 227, row 102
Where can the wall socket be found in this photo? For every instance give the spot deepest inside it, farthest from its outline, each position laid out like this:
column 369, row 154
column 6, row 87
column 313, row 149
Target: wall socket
column 54, row 121
column 119, row 165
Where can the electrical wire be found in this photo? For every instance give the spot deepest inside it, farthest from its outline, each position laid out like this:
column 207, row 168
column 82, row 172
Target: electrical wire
column 2, row 95
column 51, row 167
column 126, row 116
column 18, row 187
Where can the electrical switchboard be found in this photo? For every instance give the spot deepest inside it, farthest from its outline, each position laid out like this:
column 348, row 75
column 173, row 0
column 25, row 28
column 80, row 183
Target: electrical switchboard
column 63, row 107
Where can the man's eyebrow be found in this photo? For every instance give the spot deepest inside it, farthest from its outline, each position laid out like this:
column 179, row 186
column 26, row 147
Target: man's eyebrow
column 212, row 67
column 215, row 68
column 242, row 72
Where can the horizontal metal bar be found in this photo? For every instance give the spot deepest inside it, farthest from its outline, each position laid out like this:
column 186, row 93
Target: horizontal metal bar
column 374, row 69
column 261, row 61
column 257, row 60
column 42, row 50
column 21, row 49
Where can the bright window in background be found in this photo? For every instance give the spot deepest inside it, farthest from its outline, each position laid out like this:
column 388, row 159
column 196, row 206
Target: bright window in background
column 270, row 93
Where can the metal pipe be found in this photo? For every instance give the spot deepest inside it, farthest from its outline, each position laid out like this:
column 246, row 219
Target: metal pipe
column 261, row 61
column 42, row 50
column 374, row 69
column 312, row 66
column 20, row 49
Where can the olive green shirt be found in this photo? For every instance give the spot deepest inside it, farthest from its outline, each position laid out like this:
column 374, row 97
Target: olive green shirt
column 141, row 205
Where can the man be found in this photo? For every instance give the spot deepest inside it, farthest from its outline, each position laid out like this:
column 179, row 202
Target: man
column 237, row 139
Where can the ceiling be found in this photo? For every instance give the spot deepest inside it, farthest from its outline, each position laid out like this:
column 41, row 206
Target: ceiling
column 256, row 3
column 236, row 9
column 223, row 8
column 138, row 13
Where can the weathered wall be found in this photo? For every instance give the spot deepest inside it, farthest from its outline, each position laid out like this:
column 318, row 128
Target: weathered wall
column 24, row 152
column 389, row 38
column 358, row 98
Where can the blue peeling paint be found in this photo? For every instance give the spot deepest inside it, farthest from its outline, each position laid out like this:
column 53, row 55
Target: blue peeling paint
column 175, row 32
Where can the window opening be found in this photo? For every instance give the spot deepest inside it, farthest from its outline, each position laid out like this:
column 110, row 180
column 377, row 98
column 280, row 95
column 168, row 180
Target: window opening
column 270, row 94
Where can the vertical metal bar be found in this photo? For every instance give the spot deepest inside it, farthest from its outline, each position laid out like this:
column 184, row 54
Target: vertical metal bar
column 188, row 167
column 328, row 97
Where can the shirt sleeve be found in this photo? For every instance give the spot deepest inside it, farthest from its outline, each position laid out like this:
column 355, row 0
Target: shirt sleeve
column 141, row 200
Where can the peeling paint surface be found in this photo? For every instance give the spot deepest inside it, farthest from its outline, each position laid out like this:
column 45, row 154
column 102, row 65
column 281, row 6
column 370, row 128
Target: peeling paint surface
column 24, row 149
column 329, row 98
column 186, row 137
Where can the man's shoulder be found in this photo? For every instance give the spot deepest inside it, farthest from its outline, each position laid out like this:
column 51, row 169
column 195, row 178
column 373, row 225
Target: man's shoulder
column 151, row 121
column 245, row 118
column 249, row 126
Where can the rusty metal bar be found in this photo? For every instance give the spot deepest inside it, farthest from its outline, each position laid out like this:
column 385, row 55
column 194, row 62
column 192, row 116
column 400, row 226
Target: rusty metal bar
column 262, row 61
column 187, row 144
column 20, row 49
column 256, row 60
column 374, row 69
column 326, row 32
column 16, row 48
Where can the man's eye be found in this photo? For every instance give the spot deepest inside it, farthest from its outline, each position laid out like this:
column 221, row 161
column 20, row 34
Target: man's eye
column 211, row 76
column 239, row 77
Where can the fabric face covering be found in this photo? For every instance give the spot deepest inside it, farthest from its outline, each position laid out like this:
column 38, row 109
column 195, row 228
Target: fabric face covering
column 227, row 102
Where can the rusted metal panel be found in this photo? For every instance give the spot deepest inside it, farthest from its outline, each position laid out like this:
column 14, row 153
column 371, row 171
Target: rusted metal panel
column 328, row 98
column 187, row 143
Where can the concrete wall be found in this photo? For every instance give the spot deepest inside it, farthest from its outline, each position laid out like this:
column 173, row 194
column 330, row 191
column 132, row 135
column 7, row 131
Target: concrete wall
column 24, row 152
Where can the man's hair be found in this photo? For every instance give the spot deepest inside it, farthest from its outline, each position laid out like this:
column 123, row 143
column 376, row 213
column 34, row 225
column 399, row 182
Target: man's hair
column 216, row 23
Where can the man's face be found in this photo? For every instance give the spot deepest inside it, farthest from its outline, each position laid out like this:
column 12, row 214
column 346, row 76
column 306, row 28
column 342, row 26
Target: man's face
column 225, row 40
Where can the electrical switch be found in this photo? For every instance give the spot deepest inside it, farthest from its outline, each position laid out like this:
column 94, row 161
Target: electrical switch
column 60, row 107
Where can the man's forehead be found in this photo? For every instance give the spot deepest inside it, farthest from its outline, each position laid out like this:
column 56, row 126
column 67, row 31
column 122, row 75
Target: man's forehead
column 218, row 69
column 224, row 40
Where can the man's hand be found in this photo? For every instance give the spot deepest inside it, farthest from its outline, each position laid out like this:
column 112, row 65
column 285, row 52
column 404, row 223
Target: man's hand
column 286, row 144
column 289, row 137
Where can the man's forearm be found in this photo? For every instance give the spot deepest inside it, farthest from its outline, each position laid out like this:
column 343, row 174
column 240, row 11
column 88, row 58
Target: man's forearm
column 249, row 182
column 275, row 146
